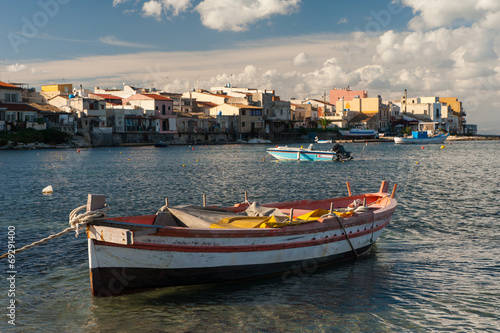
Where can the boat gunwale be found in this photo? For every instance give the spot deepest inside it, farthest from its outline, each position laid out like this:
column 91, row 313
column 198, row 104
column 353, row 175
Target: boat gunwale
column 246, row 248
column 321, row 225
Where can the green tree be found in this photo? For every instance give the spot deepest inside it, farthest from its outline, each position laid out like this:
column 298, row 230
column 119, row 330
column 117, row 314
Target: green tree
column 407, row 130
column 324, row 122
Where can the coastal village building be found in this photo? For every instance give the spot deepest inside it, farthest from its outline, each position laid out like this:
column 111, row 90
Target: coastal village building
column 298, row 115
column 205, row 96
column 13, row 112
column 325, row 109
column 126, row 92
column 250, row 123
column 346, row 95
column 157, row 106
column 310, row 116
column 53, row 117
column 108, row 98
column 52, row 90
column 458, row 117
column 223, row 114
column 276, row 114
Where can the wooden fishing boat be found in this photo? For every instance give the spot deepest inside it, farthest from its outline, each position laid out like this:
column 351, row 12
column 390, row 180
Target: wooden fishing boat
column 193, row 245
column 421, row 137
column 309, row 154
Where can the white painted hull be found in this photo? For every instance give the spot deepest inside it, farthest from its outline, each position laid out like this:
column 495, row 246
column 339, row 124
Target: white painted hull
column 356, row 133
column 411, row 140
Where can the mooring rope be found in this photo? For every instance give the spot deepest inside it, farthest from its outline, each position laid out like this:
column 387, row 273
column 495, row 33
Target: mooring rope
column 76, row 222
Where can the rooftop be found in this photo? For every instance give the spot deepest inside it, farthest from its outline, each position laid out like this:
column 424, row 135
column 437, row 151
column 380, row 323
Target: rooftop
column 9, row 86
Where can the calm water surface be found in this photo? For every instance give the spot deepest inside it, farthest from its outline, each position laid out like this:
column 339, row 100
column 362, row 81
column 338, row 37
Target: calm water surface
column 435, row 268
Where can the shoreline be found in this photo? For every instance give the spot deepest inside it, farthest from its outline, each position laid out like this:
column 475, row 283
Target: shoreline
column 82, row 145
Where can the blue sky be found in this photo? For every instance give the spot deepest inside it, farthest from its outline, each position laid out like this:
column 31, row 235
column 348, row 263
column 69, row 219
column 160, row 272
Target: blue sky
column 299, row 48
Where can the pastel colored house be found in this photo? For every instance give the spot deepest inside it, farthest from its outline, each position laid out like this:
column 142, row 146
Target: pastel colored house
column 158, row 106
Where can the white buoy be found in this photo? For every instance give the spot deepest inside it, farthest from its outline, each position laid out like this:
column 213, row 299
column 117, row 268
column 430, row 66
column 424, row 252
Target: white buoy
column 48, row 189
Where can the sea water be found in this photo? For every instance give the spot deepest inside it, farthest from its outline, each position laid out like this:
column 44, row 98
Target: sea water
column 435, row 267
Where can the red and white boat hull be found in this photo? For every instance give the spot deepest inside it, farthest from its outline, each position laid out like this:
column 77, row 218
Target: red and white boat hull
column 179, row 256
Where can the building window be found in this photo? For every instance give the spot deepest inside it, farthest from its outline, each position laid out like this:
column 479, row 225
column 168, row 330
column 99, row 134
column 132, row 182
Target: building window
column 10, row 116
column 164, row 125
column 30, row 116
column 156, row 107
column 242, row 124
column 11, row 97
column 163, row 109
column 243, row 112
column 257, row 113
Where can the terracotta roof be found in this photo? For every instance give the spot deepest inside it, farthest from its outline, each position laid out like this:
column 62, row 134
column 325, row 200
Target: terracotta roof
column 360, row 117
column 244, row 106
column 106, row 96
column 9, row 86
column 17, row 107
column 195, row 115
column 206, row 104
column 155, row 96
column 46, row 107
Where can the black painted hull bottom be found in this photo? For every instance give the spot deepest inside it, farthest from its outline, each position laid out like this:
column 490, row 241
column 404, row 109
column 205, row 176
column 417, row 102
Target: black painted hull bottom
column 111, row 281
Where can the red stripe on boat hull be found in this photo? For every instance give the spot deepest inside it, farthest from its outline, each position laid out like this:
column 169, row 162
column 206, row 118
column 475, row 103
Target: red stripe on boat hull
column 112, row 281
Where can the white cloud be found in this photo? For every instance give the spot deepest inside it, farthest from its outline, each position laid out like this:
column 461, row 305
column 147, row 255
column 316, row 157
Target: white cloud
column 118, row 2
column 176, row 6
column 491, row 21
column 112, row 40
column 16, row 67
column 343, row 20
column 152, row 8
column 301, row 59
column 233, row 15
column 447, row 62
column 437, row 13
column 236, row 15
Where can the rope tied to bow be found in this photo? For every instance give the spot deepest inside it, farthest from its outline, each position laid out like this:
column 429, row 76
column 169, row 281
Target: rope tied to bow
column 76, row 222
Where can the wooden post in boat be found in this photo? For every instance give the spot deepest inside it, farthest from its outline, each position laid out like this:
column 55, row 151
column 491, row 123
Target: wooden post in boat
column 331, row 207
column 204, row 200
column 349, row 189
column 166, row 201
column 246, row 196
column 384, row 186
column 95, row 202
column 291, row 215
column 298, row 156
column 394, row 190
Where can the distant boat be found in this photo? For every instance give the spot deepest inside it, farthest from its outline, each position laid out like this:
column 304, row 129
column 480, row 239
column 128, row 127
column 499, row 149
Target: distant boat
column 186, row 245
column 310, row 154
column 322, row 141
column 360, row 133
column 161, row 144
column 421, row 137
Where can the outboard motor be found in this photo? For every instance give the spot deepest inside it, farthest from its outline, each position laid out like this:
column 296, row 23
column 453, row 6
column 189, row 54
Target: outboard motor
column 340, row 153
